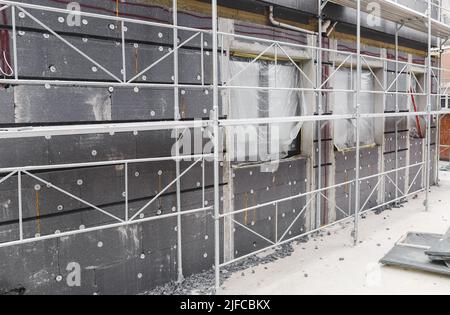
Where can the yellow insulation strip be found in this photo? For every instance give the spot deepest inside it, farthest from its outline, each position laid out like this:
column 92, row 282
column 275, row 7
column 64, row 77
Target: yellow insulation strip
column 368, row 146
column 268, row 57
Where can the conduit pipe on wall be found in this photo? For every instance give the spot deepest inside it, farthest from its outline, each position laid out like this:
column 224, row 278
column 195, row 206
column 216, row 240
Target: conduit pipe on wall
column 331, row 29
column 288, row 26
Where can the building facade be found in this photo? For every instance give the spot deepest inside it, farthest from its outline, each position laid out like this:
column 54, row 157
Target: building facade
column 90, row 210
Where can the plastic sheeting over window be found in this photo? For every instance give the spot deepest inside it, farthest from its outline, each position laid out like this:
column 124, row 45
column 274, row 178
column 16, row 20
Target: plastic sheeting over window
column 344, row 104
column 272, row 141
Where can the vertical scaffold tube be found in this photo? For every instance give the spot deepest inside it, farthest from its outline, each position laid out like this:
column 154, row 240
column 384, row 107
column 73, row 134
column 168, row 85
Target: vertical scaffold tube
column 358, row 118
column 429, row 90
column 216, row 146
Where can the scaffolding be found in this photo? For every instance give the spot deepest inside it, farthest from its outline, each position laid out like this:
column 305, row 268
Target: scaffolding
column 403, row 16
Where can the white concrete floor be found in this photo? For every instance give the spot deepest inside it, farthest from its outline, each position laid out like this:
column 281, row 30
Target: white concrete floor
column 332, row 265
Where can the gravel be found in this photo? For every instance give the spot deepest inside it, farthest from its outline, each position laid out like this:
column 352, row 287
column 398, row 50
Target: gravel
column 203, row 283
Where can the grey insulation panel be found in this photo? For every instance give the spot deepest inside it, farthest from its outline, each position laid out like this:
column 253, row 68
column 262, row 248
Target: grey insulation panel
column 255, row 177
column 254, row 186
column 394, row 178
column 128, row 260
column 422, row 239
column 46, row 222
column 58, row 60
column 247, row 200
column 63, row 62
column 403, row 102
column 92, row 147
column 344, row 190
column 101, row 186
column 30, row 266
column 95, row 148
column 416, row 173
column 390, row 123
column 67, row 149
column 158, row 104
column 345, row 171
column 6, row 106
column 392, row 161
column 433, row 165
column 38, row 104
column 247, row 242
column 391, row 144
column 445, row 259
column 415, row 258
column 441, row 247
column 110, row 268
column 346, row 161
column 263, row 221
column 161, row 143
column 346, row 202
column 92, row 27
column 32, row 151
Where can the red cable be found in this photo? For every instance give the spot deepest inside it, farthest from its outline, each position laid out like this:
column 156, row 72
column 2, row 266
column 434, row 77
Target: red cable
column 419, row 127
column 4, row 43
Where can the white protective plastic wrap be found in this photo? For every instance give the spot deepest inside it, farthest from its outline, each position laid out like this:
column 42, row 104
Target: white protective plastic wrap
column 344, row 104
column 285, row 103
column 254, row 103
column 244, row 104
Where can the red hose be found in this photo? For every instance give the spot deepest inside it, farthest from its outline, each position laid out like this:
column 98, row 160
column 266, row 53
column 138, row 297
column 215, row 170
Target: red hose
column 419, row 127
column 4, row 44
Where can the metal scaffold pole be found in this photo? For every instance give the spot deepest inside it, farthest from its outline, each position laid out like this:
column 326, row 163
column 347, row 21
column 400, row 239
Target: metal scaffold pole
column 438, row 116
column 358, row 119
column 397, row 110
column 177, row 143
column 439, row 100
column 216, row 144
column 429, row 91
column 319, row 123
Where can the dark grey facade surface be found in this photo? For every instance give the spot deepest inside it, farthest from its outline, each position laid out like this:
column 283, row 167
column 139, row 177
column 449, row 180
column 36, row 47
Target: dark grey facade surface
column 254, row 187
column 345, row 171
column 128, row 260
